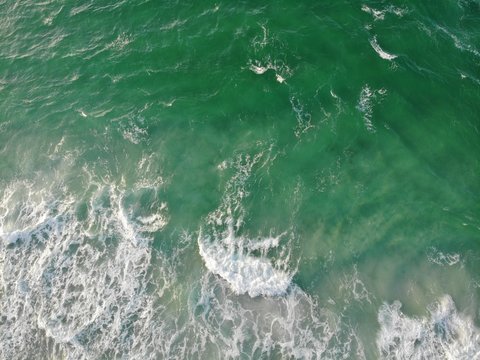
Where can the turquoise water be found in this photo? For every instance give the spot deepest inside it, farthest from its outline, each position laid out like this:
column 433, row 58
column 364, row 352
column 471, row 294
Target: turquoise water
column 253, row 180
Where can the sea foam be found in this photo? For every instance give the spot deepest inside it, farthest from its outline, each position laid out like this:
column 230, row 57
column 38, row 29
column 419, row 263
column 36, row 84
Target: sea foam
column 77, row 279
column 292, row 326
column 368, row 98
column 444, row 334
column 383, row 54
column 244, row 272
column 379, row 14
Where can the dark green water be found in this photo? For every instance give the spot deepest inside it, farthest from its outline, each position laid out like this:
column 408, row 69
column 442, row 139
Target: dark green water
column 254, row 180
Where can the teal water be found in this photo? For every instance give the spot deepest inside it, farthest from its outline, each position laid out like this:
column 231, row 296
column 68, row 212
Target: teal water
column 253, row 180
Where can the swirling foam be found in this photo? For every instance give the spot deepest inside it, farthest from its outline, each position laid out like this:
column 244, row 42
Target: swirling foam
column 293, row 326
column 76, row 277
column 445, row 334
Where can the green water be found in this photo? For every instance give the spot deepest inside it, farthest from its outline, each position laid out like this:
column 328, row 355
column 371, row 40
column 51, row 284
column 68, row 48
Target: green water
column 151, row 151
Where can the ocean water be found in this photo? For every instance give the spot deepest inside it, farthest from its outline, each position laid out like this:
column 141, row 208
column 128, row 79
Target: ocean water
column 239, row 180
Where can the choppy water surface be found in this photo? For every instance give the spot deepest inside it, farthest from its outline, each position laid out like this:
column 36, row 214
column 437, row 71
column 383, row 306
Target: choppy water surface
column 254, row 180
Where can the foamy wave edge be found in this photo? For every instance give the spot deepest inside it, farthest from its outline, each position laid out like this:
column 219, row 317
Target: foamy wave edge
column 244, row 272
column 383, row 54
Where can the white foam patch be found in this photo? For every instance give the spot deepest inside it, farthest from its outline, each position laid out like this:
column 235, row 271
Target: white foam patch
column 379, row 14
column 293, row 326
column 444, row 334
column 120, row 42
column 281, row 70
column 244, row 272
column 383, row 54
column 438, row 257
column 77, row 283
column 134, row 132
column 368, row 98
column 153, row 223
column 259, row 70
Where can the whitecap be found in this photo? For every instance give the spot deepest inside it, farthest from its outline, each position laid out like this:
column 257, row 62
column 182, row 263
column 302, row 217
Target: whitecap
column 168, row 103
column 383, row 54
column 380, row 14
column 279, row 78
column 377, row 14
column 259, row 70
column 278, row 69
column 244, row 272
